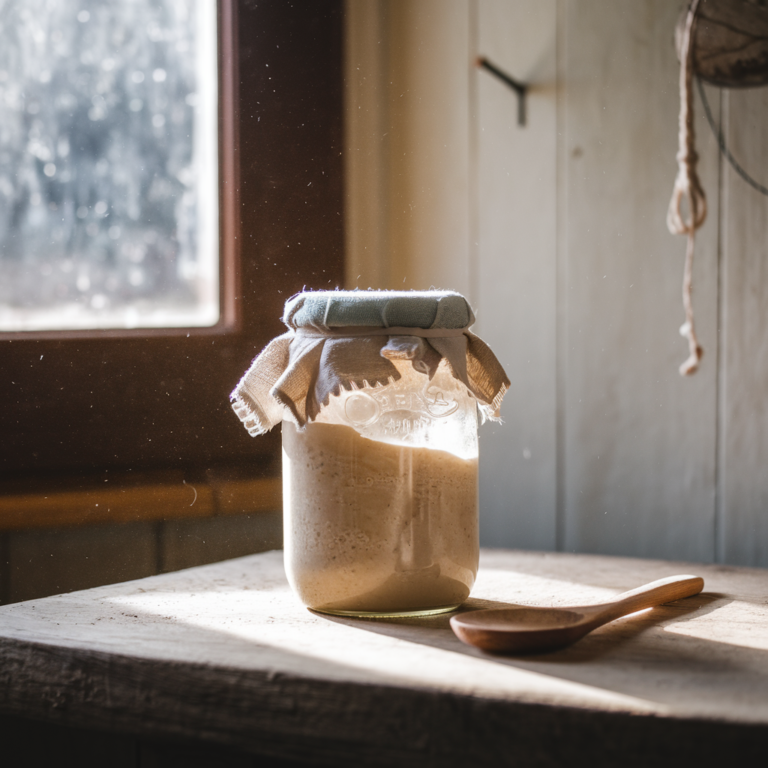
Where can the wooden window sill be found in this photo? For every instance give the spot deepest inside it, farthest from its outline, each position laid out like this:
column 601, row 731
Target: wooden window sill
column 162, row 498
column 224, row 654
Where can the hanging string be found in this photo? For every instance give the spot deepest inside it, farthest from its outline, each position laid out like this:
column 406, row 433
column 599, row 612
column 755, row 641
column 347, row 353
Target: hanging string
column 688, row 188
column 721, row 143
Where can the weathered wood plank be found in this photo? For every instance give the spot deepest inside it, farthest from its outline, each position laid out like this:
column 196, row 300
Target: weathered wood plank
column 639, row 444
column 50, row 561
column 515, row 269
column 159, row 499
column 237, row 497
column 224, row 653
column 104, row 505
column 187, row 543
column 744, row 445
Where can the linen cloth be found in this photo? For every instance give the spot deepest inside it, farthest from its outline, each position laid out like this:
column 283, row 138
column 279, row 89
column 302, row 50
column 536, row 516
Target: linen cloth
column 337, row 339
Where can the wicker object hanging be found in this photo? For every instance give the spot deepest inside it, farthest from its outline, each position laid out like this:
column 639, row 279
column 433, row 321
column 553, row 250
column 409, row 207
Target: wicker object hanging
column 729, row 45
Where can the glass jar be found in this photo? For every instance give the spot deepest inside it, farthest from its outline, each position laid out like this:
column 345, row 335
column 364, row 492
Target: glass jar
column 380, row 498
column 379, row 394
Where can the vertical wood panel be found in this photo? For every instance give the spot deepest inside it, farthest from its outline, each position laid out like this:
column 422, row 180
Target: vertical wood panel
column 429, row 162
column 639, row 439
column 744, row 454
column 515, row 270
column 366, row 158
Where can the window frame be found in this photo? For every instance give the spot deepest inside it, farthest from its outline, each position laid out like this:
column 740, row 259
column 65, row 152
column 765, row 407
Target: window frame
column 228, row 183
column 145, row 406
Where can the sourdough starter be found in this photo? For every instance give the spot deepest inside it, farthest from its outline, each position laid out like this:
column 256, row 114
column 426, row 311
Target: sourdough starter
column 376, row 527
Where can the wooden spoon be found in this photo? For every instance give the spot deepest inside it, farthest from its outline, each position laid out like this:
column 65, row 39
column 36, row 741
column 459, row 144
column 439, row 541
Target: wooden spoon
column 513, row 630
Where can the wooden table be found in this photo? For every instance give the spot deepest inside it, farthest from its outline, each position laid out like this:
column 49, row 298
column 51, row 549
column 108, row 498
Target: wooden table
column 223, row 654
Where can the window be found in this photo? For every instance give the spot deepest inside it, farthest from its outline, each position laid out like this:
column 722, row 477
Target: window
column 86, row 405
column 108, row 164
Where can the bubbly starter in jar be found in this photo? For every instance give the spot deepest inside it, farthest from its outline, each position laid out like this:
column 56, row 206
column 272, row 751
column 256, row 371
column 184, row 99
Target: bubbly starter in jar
column 381, row 498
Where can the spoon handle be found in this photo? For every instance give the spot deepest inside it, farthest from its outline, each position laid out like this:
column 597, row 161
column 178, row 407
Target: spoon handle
column 651, row 595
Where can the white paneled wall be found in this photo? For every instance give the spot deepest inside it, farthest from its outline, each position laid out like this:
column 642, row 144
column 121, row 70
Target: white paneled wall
column 408, row 127
column 515, row 266
column 743, row 445
column 638, row 440
column 556, row 232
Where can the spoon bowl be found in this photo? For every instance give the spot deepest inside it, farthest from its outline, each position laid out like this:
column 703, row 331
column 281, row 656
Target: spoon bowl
column 527, row 619
column 526, row 629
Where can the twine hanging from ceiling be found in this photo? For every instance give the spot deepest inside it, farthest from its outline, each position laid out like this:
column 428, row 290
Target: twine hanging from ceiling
column 687, row 188
column 725, row 42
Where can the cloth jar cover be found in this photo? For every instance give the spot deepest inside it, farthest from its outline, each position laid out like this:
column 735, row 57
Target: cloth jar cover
column 340, row 339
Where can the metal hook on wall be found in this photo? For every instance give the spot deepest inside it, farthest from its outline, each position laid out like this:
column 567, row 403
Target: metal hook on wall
column 519, row 88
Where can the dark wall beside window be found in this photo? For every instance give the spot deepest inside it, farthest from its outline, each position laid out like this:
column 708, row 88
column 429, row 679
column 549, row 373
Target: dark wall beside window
column 75, row 407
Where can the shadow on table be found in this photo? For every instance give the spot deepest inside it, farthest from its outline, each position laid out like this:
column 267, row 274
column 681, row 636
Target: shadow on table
column 627, row 656
column 608, row 639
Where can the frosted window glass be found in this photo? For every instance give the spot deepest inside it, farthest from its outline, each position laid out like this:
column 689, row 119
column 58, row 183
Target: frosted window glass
column 108, row 164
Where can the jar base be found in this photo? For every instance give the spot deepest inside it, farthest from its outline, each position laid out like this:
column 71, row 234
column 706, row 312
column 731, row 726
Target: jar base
column 388, row 614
